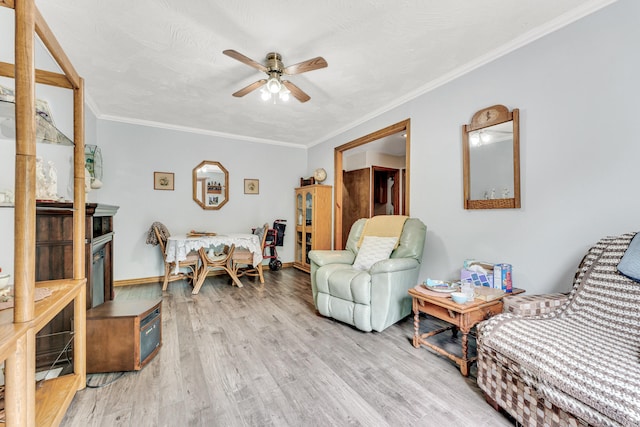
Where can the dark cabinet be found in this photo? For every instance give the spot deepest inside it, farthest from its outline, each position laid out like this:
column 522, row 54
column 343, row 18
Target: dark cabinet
column 54, row 260
column 123, row 335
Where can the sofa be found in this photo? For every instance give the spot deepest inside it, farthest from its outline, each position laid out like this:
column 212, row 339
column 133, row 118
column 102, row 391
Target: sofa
column 376, row 296
column 569, row 359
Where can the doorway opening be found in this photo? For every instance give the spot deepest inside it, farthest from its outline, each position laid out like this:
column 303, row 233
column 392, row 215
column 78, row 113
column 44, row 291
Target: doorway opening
column 371, row 178
column 386, row 191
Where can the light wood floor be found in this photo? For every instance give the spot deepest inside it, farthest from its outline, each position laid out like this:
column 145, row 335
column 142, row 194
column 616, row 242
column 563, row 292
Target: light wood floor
column 261, row 356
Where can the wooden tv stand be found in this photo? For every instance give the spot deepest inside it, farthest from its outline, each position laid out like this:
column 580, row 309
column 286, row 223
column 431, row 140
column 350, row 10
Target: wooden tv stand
column 123, row 335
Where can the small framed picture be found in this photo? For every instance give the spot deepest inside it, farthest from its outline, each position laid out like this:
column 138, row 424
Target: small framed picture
column 163, row 181
column 251, row 186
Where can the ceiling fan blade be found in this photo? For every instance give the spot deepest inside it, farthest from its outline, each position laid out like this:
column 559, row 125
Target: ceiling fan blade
column 253, row 86
column 246, row 60
column 296, row 91
column 308, row 65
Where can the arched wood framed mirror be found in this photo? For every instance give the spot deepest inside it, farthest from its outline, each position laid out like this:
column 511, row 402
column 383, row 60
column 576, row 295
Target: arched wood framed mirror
column 376, row 185
column 210, row 185
column 491, row 159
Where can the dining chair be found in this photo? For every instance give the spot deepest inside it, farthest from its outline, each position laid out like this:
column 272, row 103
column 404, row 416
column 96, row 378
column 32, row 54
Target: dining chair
column 191, row 263
column 213, row 262
column 243, row 257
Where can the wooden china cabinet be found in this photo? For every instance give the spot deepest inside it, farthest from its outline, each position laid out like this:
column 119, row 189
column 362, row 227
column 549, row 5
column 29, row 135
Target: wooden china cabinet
column 313, row 222
column 24, row 403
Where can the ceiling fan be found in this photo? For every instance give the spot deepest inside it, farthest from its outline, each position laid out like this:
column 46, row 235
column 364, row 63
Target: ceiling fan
column 274, row 68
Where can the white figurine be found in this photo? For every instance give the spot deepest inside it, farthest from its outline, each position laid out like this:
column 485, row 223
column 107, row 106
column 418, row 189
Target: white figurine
column 52, row 187
column 41, row 180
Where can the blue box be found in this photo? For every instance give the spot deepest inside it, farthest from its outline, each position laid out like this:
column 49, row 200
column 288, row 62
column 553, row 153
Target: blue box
column 502, row 277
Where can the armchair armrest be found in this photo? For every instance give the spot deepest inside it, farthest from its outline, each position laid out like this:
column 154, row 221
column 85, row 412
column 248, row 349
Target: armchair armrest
column 324, row 257
column 534, row 305
column 390, row 281
column 392, row 265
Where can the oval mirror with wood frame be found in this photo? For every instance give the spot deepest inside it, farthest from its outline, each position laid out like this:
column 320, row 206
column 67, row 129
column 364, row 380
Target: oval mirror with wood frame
column 491, row 159
column 210, row 185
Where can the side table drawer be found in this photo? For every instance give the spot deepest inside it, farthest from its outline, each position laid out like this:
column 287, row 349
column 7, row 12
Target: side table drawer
column 483, row 313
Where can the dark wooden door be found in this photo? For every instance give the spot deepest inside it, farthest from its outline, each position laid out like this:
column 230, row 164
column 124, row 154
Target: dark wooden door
column 356, row 199
column 404, row 191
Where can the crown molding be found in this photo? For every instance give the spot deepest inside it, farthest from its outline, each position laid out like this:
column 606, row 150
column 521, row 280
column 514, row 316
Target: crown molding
column 562, row 21
column 197, row 131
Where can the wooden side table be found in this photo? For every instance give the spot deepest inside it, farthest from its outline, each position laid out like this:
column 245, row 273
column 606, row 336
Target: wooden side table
column 462, row 317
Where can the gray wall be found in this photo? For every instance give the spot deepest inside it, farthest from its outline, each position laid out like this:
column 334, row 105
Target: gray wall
column 577, row 90
column 132, row 153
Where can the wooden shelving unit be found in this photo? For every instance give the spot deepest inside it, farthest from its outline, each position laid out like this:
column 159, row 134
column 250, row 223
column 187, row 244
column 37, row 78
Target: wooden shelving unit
column 54, row 397
column 46, row 404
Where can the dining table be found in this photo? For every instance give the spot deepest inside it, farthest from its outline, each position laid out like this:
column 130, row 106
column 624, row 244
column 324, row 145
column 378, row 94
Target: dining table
column 180, row 245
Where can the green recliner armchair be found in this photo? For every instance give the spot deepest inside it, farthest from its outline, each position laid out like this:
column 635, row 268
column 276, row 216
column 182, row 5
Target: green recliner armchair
column 373, row 299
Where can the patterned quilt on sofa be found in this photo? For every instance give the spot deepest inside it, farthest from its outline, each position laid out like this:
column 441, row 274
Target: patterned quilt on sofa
column 583, row 358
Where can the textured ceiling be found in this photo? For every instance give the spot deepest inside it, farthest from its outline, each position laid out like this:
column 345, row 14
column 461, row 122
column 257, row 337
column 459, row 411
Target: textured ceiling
column 161, row 61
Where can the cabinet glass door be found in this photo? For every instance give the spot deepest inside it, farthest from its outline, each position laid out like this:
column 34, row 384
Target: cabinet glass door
column 308, row 198
column 309, row 208
column 299, row 209
column 299, row 228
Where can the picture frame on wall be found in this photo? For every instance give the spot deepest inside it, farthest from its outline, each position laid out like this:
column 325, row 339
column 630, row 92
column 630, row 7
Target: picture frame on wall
column 251, row 186
column 163, row 181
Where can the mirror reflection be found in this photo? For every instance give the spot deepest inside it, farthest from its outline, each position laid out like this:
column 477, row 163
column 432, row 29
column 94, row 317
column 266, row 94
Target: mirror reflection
column 210, row 185
column 490, row 162
column 491, row 159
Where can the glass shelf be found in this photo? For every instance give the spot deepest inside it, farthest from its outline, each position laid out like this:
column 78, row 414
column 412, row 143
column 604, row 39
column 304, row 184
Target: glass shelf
column 46, row 131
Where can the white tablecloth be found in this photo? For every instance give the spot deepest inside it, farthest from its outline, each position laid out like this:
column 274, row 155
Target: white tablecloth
column 180, row 245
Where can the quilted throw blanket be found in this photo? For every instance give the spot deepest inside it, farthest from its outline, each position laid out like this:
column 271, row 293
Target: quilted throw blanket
column 383, row 226
column 584, row 357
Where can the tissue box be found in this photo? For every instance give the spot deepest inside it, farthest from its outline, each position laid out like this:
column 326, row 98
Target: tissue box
column 478, row 279
column 488, row 294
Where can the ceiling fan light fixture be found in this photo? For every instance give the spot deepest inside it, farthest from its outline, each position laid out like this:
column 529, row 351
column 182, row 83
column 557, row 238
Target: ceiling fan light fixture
column 265, row 94
column 284, row 94
column 275, row 69
column 273, row 84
